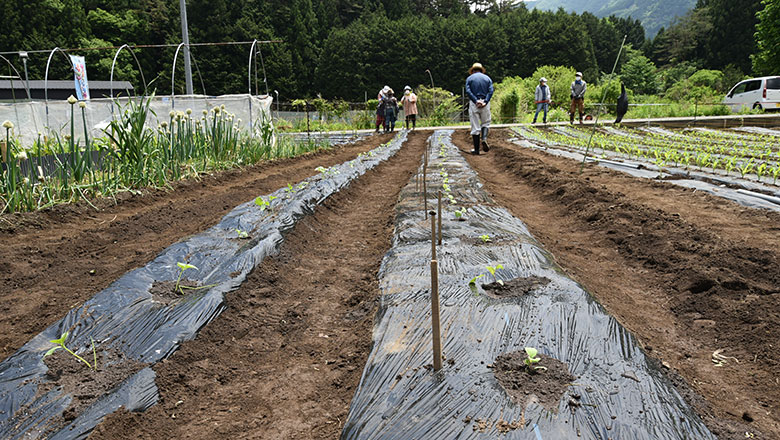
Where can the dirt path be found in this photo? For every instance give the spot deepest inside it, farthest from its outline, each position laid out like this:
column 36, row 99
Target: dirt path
column 284, row 359
column 688, row 273
column 53, row 260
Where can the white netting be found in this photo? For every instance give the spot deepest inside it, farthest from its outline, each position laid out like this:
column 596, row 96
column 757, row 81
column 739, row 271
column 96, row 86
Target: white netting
column 30, row 118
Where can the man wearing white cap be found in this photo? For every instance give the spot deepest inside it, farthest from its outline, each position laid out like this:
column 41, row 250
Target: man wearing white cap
column 479, row 88
column 542, row 97
column 578, row 89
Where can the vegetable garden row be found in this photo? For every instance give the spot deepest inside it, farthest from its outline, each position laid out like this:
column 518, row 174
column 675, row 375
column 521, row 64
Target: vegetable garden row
column 744, row 154
column 131, row 152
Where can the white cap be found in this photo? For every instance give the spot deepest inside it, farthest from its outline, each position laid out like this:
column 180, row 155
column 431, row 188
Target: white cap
column 543, row 79
column 579, row 74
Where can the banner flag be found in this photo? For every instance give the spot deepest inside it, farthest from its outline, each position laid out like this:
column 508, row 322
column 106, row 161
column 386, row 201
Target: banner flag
column 80, row 75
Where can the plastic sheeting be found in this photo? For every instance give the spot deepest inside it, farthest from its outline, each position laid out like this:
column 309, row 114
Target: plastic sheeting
column 747, row 193
column 124, row 317
column 622, row 395
column 30, row 117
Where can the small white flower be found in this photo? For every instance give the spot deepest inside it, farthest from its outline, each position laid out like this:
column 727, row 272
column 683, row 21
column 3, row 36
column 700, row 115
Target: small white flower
column 72, row 100
column 216, row 109
column 222, row 107
column 26, row 180
column 22, row 155
column 164, row 124
column 238, row 121
column 205, row 112
column 172, row 114
column 189, row 111
column 8, row 124
column 82, row 104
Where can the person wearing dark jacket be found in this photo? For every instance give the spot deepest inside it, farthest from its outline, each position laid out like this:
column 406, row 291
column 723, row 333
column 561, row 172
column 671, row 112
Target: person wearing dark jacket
column 622, row 104
column 391, row 110
column 479, row 89
column 578, row 89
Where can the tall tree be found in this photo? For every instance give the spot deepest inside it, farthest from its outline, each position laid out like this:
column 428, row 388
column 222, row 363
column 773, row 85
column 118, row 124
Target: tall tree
column 767, row 58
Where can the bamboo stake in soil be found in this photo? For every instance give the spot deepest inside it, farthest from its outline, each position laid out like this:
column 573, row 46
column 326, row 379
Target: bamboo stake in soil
column 439, row 214
column 425, row 191
column 436, row 326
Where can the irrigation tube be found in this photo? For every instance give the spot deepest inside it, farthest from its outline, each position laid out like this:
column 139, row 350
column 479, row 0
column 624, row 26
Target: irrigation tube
column 125, row 317
column 622, row 395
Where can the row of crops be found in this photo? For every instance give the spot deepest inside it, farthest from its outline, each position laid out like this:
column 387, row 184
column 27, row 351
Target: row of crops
column 749, row 155
column 61, row 168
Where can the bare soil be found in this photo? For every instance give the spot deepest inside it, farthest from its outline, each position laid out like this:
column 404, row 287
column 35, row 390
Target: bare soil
column 53, row 260
column 284, row 359
column 544, row 383
column 686, row 272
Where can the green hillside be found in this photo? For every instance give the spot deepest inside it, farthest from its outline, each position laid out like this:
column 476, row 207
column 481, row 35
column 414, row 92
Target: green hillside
column 654, row 14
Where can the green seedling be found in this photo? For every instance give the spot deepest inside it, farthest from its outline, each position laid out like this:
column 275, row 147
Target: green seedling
column 182, row 268
column 290, row 188
column 493, row 270
column 485, row 238
column 303, row 185
column 263, row 203
column 445, row 187
column 60, row 343
column 458, row 214
column 242, row 234
column 532, row 359
column 473, row 281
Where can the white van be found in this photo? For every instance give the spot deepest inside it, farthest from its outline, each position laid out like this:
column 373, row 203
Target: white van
column 755, row 93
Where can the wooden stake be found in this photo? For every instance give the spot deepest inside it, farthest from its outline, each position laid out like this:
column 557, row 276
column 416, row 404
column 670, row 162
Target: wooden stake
column 433, row 235
column 425, row 191
column 435, row 321
column 439, row 214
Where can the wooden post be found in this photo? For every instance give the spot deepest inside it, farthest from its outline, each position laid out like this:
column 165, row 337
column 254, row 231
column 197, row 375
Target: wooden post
column 425, row 191
column 436, row 325
column 439, row 214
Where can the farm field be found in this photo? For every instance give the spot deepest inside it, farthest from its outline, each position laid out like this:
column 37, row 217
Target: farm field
column 695, row 277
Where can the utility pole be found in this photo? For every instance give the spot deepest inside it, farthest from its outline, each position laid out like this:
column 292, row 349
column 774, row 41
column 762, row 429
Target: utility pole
column 185, row 35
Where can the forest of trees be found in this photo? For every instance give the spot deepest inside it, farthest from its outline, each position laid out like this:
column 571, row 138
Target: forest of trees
column 346, row 48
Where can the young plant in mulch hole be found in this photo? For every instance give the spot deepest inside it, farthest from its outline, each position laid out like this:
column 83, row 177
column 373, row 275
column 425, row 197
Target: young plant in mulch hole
column 515, row 287
column 529, row 378
column 263, row 203
column 65, row 369
column 169, row 292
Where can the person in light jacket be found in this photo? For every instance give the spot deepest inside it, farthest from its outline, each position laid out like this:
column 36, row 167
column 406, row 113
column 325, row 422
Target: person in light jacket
column 479, row 89
column 542, row 98
column 409, row 101
column 578, row 89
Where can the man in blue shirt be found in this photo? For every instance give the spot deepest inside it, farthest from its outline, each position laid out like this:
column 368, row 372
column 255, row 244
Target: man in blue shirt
column 479, row 88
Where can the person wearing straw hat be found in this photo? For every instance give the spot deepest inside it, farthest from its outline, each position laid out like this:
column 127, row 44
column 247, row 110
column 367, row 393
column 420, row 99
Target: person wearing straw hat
column 479, row 88
column 409, row 101
column 542, row 97
column 578, row 89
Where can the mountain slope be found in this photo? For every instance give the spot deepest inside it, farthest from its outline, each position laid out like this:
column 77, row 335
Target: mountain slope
column 654, row 14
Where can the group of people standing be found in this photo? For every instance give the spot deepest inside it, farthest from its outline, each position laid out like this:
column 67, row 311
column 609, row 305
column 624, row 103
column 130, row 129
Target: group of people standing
column 387, row 109
column 542, row 97
column 479, row 89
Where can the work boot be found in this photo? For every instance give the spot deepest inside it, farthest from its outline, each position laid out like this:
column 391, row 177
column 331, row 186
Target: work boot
column 485, row 145
column 475, row 140
column 571, row 119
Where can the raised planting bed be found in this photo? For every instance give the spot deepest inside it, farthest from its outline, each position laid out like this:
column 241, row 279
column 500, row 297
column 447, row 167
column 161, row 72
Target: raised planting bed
column 617, row 392
column 127, row 327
